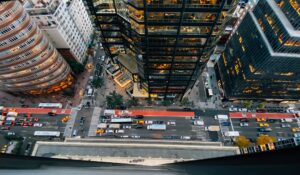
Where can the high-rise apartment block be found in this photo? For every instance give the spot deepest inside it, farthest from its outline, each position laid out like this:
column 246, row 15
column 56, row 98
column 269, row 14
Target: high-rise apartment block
column 28, row 61
column 161, row 44
column 66, row 24
column 262, row 59
column 82, row 19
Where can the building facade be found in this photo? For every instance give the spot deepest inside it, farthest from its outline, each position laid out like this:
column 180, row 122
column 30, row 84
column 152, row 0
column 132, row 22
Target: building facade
column 81, row 18
column 28, row 61
column 60, row 21
column 262, row 59
column 162, row 44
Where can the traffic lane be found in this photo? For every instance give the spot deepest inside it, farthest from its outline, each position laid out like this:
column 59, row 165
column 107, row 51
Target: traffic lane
column 50, row 123
column 251, row 130
column 211, row 112
column 183, row 127
column 209, row 120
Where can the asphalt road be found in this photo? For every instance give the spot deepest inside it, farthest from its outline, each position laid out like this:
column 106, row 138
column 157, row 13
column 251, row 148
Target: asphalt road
column 82, row 130
column 50, row 123
column 251, row 130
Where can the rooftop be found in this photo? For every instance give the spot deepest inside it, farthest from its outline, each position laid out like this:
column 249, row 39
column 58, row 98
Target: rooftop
column 130, row 152
column 129, row 62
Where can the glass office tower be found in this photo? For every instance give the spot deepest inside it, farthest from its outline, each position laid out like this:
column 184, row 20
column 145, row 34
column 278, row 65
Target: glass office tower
column 262, row 59
column 163, row 43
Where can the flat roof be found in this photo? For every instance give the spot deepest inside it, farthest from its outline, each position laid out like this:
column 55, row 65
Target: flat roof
column 129, row 62
column 182, row 151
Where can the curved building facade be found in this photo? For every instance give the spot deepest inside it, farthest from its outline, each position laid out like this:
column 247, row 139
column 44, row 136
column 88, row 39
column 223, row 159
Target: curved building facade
column 28, row 61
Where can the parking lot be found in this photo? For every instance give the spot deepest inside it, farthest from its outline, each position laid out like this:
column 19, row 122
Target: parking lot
column 176, row 128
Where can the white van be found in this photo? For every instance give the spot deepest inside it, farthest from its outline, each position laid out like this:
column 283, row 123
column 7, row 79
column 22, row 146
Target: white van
column 218, row 117
column 74, row 133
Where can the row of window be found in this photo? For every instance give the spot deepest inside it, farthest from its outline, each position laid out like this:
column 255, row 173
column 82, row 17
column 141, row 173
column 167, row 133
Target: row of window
column 9, row 12
column 16, row 23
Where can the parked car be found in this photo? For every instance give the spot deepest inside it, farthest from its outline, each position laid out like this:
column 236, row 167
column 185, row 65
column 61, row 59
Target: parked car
column 52, row 114
column 233, row 109
column 110, row 131
column 5, row 128
column 285, row 125
column 187, row 109
column 126, row 126
column 120, row 131
column 225, row 123
column 125, row 136
column 186, row 137
column 244, row 120
column 37, row 124
column 139, row 117
column 261, row 119
column 135, row 137
column 271, row 120
column 148, row 122
column 297, row 134
column 138, row 126
column 263, row 124
column 296, row 129
column 11, row 133
column 171, row 123
column 264, row 129
column 244, row 124
column 36, row 119
column 287, row 120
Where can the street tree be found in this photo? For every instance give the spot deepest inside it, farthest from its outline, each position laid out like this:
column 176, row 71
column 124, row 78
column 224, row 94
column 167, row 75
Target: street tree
column 132, row 102
column 76, row 67
column 261, row 105
column 265, row 139
column 242, row 142
column 98, row 82
column 114, row 100
column 166, row 102
column 68, row 92
column 247, row 104
column 185, row 102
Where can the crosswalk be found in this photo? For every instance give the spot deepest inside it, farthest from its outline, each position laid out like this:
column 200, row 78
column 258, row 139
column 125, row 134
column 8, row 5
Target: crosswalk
column 70, row 123
column 94, row 121
column 200, row 133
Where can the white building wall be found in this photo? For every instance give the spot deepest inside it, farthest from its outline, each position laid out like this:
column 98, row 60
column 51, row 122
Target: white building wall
column 80, row 16
column 62, row 29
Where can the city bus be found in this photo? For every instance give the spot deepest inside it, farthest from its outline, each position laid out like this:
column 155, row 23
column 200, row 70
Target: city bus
column 50, row 105
column 46, row 133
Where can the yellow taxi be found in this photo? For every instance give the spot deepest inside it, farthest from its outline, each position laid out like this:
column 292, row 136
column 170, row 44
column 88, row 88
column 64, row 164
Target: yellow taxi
column 261, row 119
column 99, row 131
column 295, row 129
column 142, row 122
column 4, row 148
column 264, row 125
column 89, row 66
column 65, row 119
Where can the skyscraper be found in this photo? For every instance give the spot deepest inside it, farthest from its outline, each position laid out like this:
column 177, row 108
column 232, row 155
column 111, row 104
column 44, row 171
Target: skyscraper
column 162, row 44
column 66, row 23
column 28, row 62
column 262, row 59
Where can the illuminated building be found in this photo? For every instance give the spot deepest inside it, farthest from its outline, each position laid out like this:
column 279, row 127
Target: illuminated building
column 162, row 44
column 28, row 62
column 262, row 59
